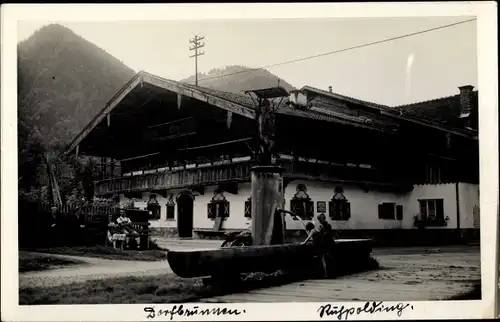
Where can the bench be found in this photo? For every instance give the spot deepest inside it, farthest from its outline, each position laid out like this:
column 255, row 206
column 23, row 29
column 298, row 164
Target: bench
column 140, row 223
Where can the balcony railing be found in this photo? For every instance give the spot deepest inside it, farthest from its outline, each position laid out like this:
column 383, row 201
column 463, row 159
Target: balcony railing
column 234, row 172
column 239, row 171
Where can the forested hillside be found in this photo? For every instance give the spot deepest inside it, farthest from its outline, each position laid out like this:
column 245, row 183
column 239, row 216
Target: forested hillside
column 63, row 82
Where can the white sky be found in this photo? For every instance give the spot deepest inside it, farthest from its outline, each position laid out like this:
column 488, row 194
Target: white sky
column 442, row 60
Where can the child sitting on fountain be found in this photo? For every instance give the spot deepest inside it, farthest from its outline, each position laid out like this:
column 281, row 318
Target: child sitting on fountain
column 326, row 230
column 316, row 237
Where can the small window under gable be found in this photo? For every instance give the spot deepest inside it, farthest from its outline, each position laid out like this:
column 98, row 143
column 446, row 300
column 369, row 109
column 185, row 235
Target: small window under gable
column 301, row 204
column 170, row 208
column 339, row 207
column 218, row 206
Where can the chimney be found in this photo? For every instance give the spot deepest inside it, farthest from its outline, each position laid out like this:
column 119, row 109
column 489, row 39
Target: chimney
column 465, row 100
column 330, row 89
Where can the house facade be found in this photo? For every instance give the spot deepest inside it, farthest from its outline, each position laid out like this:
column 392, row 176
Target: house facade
column 185, row 154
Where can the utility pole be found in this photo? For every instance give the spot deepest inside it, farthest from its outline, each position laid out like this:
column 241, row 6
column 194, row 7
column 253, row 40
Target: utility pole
column 196, row 46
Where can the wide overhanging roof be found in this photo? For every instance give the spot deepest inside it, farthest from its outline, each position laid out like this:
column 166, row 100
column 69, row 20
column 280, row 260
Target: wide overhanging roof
column 143, row 102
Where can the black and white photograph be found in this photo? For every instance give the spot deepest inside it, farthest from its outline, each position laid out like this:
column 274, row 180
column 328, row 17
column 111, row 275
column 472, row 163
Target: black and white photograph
column 256, row 161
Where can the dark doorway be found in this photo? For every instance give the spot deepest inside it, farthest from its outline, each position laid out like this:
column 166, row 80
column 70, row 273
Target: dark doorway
column 185, row 214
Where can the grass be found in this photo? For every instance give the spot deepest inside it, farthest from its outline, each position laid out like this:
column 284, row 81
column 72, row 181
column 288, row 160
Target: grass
column 29, row 262
column 166, row 288
column 106, row 253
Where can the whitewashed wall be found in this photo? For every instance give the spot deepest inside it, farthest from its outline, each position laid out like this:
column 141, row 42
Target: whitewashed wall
column 469, row 198
column 431, row 191
column 364, row 205
column 236, row 219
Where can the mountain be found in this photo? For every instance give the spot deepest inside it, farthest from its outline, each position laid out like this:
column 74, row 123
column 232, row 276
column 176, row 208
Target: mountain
column 239, row 79
column 63, row 81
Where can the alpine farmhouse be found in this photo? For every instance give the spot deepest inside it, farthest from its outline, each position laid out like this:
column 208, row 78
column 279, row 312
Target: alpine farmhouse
column 397, row 174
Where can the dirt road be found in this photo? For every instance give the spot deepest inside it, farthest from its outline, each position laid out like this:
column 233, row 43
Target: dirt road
column 408, row 276
column 416, row 273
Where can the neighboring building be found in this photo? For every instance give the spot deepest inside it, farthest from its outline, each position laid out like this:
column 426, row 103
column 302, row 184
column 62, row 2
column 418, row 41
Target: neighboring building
column 185, row 154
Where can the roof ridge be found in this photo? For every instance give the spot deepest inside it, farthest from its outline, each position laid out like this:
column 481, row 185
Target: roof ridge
column 428, row 101
column 344, row 96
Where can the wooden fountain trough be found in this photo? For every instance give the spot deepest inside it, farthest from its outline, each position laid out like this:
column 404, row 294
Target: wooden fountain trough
column 231, row 260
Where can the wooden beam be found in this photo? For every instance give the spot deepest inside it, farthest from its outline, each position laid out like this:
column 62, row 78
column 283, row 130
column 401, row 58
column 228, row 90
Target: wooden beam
column 179, row 101
column 174, row 136
column 139, row 157
column 108, row 108
column 170, row 123
column 199, row 95
column 215, row 144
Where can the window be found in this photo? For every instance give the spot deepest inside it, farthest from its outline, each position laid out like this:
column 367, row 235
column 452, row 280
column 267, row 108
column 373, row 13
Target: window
column 387, row 211
column 339, row 207
column 218, row 206
column 432, row 211
column 153, row 207
column 301, row 204
column 170, row 208
column 433, row 173
column 248, row 208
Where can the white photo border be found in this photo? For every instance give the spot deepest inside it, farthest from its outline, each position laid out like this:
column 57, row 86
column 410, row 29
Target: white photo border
column 488, row 141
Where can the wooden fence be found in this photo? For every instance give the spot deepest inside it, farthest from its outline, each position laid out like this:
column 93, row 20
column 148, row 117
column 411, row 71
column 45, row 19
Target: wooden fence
column 71, row 226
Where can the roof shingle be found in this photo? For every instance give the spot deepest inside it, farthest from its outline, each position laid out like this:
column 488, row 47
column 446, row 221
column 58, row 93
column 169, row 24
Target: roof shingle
column 443, row 110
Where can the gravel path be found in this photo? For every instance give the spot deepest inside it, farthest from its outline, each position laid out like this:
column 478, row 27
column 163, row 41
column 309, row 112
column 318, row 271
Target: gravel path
column 98, row 268
column 95, row 268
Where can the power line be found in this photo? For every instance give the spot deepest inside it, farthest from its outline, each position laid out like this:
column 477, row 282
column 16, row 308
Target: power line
column 196, row 45
column 340, row 50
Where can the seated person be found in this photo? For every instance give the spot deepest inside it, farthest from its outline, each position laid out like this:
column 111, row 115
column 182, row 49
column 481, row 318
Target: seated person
column 316, row 237
column 124, row 224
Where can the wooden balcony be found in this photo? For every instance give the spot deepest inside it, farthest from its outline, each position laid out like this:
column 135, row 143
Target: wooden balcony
column 182, row 178
column 239, row 171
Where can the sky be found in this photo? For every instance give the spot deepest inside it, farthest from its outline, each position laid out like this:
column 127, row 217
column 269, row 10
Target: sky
column 402, row 71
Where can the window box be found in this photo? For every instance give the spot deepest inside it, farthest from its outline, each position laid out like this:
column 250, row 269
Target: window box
column 431, row 214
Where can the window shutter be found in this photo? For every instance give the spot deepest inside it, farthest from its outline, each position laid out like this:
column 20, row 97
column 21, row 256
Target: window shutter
column 331, row 209
column 248, row 208
column 439, row 209
column 225, row 209
column 309, row 209
column 399, row 212
column 210, row 210
column 347, row 210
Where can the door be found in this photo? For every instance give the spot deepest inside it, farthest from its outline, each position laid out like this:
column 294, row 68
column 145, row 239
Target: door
column 185, row 215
